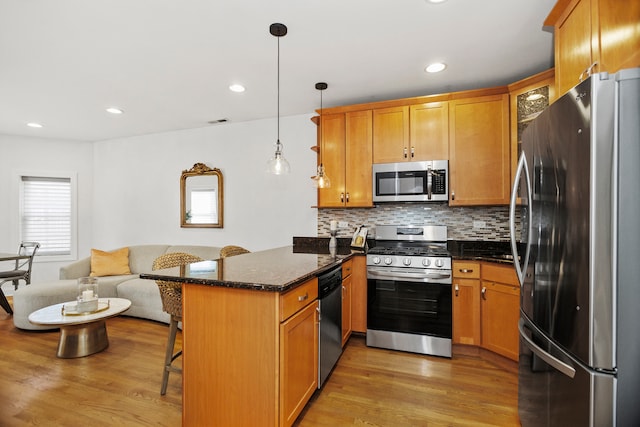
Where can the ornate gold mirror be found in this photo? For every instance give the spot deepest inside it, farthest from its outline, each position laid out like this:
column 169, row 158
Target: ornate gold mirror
column 201, row 197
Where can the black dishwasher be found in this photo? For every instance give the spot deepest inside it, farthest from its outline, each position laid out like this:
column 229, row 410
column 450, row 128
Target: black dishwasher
column 330, row 342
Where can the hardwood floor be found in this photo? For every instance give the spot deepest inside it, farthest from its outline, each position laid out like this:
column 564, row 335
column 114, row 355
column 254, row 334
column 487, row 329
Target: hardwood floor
column 121, row 385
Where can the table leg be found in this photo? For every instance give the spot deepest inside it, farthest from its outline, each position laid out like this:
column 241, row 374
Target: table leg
column 82, row 340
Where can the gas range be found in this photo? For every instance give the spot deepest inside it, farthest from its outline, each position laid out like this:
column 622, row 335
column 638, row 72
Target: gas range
column 410, row 247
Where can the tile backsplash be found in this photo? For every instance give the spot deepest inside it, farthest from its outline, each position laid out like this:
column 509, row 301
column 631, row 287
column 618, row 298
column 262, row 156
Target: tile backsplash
column 464, row 223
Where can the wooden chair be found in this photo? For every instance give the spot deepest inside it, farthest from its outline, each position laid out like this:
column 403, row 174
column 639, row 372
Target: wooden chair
column 171, row 295
column 22, row 271
column 232, row 250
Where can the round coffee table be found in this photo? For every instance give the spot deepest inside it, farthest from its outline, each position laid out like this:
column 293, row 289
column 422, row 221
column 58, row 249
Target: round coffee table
column 80, row 334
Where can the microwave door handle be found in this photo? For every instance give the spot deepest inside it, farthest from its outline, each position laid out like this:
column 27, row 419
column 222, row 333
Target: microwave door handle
column 429, row 182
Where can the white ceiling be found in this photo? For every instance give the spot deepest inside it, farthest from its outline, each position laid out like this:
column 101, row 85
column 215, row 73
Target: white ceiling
column 168, row 63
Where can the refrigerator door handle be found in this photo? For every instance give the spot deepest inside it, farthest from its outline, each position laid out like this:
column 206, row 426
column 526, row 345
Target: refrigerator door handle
column 522, row 165
column 552, row 361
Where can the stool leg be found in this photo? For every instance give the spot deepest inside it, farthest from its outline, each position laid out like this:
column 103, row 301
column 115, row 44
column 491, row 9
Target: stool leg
column 173, row 329
column 5, row 304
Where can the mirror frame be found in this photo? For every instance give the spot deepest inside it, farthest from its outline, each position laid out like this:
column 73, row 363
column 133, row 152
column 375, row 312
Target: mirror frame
column 200, row 169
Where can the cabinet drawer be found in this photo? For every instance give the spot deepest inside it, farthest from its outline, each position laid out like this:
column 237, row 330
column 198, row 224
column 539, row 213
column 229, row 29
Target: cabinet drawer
column 499, row 273
column 467, row 270
column 295, row 299
column 347, row 266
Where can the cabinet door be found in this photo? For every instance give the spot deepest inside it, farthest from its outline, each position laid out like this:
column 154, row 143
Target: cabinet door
column 391, row 135
column 466, row 311
column 573, row 53
column 500, row 307
column 298, row 362
column 346, row 309
column 332, row 154
column 479, row 151
column 429, row 131
column 618, row 52
column 358, row 155
column 359, row 294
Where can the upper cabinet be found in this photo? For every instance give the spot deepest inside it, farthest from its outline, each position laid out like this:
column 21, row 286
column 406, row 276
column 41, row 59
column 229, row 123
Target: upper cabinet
column 429, row 131
column 528, row 98
column 479, row 151
column 346, row 150
column 391, row 135
column 593, row 36
column 411, row 133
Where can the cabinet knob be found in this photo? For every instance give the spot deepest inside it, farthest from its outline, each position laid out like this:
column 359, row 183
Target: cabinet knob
column 404, row 152
column 466, row 270
column 347, row 197
column 457, row 288
column 413, row 152
column 303, row 297
column 453, row 195
column 484, row 293
column 341, row 197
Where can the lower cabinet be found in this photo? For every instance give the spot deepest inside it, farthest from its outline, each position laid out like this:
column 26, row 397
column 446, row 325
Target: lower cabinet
column 249, row 357
column 359, row 294
column 500, row 301
column 347, row 300
column 466, row 303
column 486, row 306
column 298, row 362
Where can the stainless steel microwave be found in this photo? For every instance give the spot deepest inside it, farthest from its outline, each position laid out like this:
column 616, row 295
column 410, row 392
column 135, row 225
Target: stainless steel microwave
column 426, row 181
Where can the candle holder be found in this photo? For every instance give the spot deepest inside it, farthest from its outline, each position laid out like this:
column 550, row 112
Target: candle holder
column 87, row 299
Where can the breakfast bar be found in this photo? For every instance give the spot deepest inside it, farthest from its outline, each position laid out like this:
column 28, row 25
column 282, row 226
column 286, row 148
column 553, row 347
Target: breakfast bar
column 250, row 336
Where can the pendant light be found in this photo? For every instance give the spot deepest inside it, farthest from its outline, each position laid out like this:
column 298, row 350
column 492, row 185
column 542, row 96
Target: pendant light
column 321, row 180
column 278, row 165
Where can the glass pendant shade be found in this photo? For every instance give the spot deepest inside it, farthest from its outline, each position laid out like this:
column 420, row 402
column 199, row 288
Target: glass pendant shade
column 278, row 165
column 321, row 180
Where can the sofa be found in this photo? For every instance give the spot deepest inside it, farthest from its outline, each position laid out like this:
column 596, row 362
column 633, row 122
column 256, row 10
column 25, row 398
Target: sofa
column 143, row 294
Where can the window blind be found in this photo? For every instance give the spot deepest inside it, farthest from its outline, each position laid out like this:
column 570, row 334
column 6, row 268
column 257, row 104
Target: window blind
column 46, row 214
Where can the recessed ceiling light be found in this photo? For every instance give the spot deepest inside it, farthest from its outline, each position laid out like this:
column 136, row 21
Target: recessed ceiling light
column 34, row 125
column 236, row 88
column 436, row 67
column 114, row 110
column 436, row 1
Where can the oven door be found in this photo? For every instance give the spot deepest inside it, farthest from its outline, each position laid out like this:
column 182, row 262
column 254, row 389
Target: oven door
column 409, row 305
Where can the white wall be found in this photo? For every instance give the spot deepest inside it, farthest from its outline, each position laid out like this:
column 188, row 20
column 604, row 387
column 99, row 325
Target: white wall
column 136, row 185
column 38, row 155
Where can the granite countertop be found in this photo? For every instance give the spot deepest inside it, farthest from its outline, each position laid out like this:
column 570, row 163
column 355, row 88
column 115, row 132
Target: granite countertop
column 275, row 270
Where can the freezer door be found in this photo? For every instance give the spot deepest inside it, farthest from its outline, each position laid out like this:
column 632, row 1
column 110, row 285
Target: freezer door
column 555, row 390
column 569, row 152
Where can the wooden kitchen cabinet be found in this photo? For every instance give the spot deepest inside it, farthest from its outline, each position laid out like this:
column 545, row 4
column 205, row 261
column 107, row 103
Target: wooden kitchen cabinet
column 479, row 151
column 466, row 303
column 391, row 135
column 298, row 362
column 601, row 35
column 528, row 98
column 359, row 294
column 347, row 298
column 346, row 151
column 429, row 131
column 243, row 345
column 500, row 309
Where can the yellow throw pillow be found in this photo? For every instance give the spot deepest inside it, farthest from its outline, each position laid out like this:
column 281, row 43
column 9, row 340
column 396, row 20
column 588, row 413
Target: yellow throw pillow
column 110, row 263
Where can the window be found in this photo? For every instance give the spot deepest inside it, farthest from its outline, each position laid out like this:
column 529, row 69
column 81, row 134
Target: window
column 47, row 214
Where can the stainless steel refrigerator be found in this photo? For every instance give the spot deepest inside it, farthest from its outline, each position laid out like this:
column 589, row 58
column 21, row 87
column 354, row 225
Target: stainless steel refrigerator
column 578, row 189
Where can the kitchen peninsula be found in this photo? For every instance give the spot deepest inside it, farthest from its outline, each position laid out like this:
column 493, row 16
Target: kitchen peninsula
column 250, row 336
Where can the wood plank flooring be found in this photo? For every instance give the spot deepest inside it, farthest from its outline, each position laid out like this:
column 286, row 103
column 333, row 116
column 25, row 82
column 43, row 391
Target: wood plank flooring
column 120, row 386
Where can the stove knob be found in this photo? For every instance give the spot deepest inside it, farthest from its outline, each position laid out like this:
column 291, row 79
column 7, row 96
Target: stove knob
column 426, row 262
column 388, row 261
column 376, row 260
column 439, row 262
column 407, row 261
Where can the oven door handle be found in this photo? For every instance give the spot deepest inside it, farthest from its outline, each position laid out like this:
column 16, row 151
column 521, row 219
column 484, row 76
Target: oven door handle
column 403, row 275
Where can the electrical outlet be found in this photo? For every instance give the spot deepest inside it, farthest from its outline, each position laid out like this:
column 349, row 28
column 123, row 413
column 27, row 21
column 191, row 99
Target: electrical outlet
column 343, row 224
column 479, row 224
